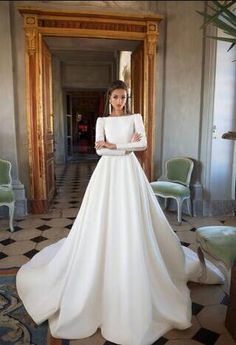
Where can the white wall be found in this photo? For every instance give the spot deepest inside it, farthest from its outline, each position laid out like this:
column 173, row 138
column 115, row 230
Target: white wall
column 224, row 120
column 9, row 121
column 181, row 95
column 7, row 129
column 18, row 44
column 90, row 75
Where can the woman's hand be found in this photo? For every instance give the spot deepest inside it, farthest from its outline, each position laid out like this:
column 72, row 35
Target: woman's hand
column 101, row 143
column 136, row 137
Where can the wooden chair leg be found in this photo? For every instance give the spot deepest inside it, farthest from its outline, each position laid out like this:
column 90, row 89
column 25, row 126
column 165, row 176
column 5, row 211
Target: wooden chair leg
column 179, row 210
column 189, row 205
column 11, row 214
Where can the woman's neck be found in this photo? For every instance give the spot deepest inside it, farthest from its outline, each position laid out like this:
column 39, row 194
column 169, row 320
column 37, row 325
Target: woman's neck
column 117, row 113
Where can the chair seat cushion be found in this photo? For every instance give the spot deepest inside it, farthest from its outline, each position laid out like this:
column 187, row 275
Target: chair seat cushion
column 6, row 195
column 166, row 188
column 219, row 242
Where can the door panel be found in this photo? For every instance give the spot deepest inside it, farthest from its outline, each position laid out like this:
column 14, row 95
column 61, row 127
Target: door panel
column 48, row 117
column 137, row 69
column 137, row 77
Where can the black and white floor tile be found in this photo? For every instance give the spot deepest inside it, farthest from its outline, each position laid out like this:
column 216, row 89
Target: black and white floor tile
column 35, row 232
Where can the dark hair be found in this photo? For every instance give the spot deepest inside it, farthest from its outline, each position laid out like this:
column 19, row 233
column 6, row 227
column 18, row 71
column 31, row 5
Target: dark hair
column 117, row 84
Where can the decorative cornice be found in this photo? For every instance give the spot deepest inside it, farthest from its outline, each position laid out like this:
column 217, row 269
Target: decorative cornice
column 42, row 12
column 83, row 24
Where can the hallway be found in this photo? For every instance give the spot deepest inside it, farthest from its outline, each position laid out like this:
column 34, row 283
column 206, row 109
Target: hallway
column 35, row 232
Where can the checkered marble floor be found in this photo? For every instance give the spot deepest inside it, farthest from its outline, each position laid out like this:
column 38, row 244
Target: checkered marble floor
column 35, row 232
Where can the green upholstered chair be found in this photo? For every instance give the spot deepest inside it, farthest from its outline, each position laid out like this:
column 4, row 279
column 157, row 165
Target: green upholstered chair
column 174, row 183
column 219, row 243
column 6, row 193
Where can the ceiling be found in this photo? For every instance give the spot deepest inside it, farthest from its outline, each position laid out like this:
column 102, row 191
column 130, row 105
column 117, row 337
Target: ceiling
column 74, row 48
column 95, row 44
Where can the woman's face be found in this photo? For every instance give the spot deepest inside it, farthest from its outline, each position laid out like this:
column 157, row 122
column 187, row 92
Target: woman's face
column 118, row 99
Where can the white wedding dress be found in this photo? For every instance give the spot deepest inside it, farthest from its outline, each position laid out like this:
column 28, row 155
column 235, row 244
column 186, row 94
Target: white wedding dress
column 122, row 268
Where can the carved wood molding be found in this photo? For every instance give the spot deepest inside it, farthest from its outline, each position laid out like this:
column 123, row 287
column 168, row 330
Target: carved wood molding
column 95, row 25
column 31, row 37
column 152, row 36
column 31, row 33
column 102, row 21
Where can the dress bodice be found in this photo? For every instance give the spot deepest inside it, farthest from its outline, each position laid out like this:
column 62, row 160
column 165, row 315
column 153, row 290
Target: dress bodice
column 119, row 130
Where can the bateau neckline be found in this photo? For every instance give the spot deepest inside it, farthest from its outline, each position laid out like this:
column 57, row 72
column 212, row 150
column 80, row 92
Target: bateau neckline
column 119, row 116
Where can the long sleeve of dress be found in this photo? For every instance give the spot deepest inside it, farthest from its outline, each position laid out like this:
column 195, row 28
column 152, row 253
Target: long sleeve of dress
column 138, row 145
column 100, row 136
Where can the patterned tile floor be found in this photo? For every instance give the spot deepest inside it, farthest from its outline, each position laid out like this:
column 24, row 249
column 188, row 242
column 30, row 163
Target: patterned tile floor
column 34, row 232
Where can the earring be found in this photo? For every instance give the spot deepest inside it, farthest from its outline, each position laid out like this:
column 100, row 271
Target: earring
column 109, row 108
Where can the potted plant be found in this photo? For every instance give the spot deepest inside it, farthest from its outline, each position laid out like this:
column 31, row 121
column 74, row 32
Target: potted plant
column 222, row 15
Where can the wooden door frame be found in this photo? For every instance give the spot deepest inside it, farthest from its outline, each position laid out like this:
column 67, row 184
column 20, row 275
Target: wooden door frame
column 40, row 22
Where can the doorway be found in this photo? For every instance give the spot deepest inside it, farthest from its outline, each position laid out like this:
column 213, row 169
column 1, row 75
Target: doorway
column 40, row 23
column 82, row 109
column 83, row 68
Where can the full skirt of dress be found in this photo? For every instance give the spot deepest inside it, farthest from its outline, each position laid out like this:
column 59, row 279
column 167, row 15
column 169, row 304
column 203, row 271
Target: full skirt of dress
column 121, row 269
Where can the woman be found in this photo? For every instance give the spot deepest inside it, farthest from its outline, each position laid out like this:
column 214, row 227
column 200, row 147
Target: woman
column 121, row 268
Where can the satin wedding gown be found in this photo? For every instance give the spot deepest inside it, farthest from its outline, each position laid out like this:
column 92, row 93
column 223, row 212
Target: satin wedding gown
column 122, row 268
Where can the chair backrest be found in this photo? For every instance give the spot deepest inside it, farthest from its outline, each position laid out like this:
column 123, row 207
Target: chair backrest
column 179, row 170
column 5, row 172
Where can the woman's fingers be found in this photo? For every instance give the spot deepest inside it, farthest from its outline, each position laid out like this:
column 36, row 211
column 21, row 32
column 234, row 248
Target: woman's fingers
column 137, row 136
column 99, row 144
